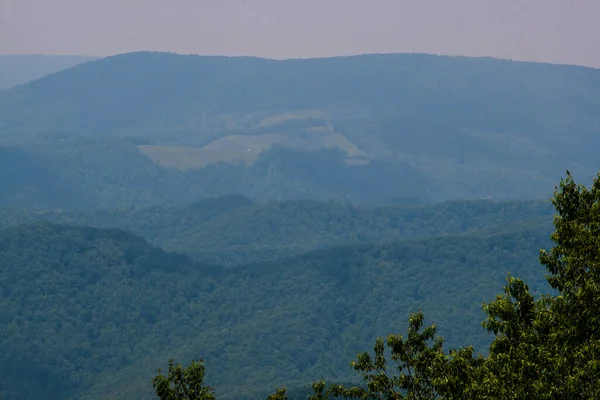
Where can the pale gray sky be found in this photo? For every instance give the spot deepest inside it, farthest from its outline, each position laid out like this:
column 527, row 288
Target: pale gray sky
column 561, row 31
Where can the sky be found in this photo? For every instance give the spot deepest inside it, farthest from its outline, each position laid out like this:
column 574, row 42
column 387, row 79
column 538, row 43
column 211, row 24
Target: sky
column 557, row 31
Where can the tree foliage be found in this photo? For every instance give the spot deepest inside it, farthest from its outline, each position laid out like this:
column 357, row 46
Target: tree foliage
column 544, row 348
column 232, row 230
column 551, row 346
column 183, row 383
column 423, row 370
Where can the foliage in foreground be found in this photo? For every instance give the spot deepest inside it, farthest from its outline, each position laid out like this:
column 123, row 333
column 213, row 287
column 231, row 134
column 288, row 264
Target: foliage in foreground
column 183, row 383
column 544, row 348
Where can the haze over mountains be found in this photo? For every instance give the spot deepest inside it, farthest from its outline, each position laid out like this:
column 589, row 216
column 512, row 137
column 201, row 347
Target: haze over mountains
column 384, row 127
column 20, row 69
column 273, row 217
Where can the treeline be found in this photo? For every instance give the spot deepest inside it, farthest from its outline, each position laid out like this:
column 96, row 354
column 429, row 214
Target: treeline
column 232, row 230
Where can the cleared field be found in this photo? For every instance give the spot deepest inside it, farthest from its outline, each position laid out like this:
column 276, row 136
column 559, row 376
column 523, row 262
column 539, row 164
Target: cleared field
column 245, row 149
column 297, row 115
column 234, row 149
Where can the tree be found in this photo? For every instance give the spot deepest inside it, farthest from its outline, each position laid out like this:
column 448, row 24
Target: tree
column 424, row 371
column 551, row 346
column 183, row 383
column 543, row 348
column 280, row 394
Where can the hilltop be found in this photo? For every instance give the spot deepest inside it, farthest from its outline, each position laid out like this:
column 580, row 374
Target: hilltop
column 20, row 69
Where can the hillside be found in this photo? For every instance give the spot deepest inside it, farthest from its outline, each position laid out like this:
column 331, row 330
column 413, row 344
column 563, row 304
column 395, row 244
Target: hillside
column 271, row 231
column 29, row 180
column 232, row 230
column 57, row 314
column 91, row 313
column 20, row 69
column 155, row 128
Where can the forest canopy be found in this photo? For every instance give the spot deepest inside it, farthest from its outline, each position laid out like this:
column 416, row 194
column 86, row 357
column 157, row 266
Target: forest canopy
column 544, row 347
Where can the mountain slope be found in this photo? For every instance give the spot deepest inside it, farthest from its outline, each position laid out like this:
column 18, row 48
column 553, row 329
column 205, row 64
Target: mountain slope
column 136, row 88
column 381, row 126
column 96, row 311
column 266, row 232
column 29, row 180
column 20, row 69
column 58, row 314
column 231, row 230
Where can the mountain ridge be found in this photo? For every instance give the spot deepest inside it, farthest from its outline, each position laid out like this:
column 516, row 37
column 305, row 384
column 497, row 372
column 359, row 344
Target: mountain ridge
column 233, row 230
column 440, row 127
column 18, row 69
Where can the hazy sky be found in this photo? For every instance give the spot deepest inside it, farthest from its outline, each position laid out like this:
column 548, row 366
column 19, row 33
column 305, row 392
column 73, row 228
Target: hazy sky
column 563, row 31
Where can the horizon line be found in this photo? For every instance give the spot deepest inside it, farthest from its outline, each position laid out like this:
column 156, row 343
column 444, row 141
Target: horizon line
column 96, row 57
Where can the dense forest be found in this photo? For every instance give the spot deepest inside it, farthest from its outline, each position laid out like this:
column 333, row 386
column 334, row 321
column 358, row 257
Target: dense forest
column 232, row 230
column 262, row 222
column 544, row 347
column 94, row 307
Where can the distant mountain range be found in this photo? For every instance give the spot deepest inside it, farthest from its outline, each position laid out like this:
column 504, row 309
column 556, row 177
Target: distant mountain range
column 364, row 129
column 20, row 69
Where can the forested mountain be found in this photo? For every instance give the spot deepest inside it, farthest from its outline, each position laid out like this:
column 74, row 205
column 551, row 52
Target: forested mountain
column 156, row 128
column 20, row 69
column 271, row 217
column 31, row 181
column 232, row 230
column 90, row 313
